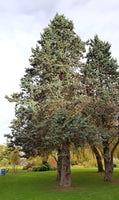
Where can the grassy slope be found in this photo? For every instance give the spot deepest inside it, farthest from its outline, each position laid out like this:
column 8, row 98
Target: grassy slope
column 40, row 186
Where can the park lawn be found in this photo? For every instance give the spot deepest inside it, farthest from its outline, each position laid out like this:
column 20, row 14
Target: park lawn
column 88, row 184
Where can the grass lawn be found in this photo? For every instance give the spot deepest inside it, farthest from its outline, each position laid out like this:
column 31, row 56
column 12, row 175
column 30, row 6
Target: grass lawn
column 88, row 184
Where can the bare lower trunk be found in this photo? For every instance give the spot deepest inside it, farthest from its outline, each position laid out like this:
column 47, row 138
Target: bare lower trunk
column 65, row 171
column 98, row 158
column 108, row 171
column 108, row 161
column 59, row 165
column 13, row 167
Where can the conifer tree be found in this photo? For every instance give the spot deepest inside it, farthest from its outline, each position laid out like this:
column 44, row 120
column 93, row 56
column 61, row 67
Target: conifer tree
column 48, row 89
column 101, row 79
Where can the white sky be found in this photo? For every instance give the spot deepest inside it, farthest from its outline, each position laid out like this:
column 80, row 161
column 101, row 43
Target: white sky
column 22, row 21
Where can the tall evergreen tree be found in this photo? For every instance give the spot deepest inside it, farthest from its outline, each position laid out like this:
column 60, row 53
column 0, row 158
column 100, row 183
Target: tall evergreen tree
column 101, row 79
column 49, row 87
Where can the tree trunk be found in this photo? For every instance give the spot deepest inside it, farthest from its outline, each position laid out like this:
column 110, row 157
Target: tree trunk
column 13, row 167
column 98, row 158
column 108, row 161
column 108, row 171
column 65, row 171
column 59, row 165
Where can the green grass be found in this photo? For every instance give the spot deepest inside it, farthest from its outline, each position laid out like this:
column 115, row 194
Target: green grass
column 88, row 184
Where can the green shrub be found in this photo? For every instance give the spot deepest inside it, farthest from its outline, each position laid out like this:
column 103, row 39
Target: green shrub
column 29, row 169
column 46, row 164
column 73, row 163
column 44, row 167
column 35, row 168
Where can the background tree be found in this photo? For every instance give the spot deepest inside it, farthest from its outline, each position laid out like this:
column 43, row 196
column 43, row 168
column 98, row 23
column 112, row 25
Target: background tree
column 4, row 155
column 101, row 78
column 14, row 158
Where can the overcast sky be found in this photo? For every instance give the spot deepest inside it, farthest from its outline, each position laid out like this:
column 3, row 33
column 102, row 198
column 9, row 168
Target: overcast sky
column 22, row 21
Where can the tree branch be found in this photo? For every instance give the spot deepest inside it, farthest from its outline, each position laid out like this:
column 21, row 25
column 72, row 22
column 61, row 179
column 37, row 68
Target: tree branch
column 115, row 146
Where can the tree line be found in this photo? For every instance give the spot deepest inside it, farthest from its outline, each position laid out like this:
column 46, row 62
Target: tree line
column 68, row 96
